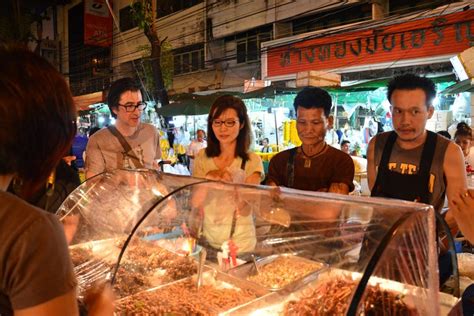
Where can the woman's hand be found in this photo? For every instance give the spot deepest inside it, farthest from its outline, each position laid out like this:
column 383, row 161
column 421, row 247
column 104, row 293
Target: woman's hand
column 463, row 212
column 219, row 175
column 70, row 224
column 100, row 300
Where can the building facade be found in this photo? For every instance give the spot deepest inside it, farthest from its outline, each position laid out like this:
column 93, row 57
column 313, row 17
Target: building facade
column 218, row 44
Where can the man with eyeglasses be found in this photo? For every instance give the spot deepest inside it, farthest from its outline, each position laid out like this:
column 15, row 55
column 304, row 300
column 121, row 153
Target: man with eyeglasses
column 129, row 144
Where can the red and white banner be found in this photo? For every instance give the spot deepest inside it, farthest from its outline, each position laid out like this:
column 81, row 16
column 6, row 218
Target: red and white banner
column 434, row 36
column 98, row 23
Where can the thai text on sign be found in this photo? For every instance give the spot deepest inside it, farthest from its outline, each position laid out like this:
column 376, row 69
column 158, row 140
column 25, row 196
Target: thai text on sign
column 436, row 36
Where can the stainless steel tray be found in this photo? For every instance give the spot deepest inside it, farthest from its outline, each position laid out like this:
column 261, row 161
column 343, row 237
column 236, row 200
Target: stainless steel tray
column 247, row 270
column 274, row 303
column 106, row 249
column 211, row 276
column 103, row 257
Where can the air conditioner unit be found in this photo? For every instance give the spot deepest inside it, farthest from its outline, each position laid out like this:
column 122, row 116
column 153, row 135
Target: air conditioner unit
column 463, row 64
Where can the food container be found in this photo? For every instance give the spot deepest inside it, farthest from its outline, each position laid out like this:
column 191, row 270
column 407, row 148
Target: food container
column 279, row 271
column 219, row 292
column 106, row 250
column 145, row 265
column 277, row 302
column 391, row 239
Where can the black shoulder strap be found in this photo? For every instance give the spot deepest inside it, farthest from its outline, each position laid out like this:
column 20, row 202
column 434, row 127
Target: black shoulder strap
column 387, row 150
column 428, row 154
column 426, row 161
column 126, row 146
column 383, row 164
column 290, row 168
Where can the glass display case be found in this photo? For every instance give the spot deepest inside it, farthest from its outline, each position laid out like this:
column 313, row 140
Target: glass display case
column 181, row 245
column 100, row 214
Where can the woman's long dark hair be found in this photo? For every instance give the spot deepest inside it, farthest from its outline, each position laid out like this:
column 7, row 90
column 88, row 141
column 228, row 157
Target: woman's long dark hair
column 221, row 104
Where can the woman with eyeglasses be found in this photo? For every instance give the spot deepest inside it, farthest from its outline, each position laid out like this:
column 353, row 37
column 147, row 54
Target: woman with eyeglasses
column 227, row 158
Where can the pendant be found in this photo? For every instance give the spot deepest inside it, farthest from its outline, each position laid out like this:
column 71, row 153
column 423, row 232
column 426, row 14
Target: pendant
column 307, row 163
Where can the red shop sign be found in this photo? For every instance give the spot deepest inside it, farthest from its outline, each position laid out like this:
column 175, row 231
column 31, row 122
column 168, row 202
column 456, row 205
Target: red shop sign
column 98, row 23
column 435, row 36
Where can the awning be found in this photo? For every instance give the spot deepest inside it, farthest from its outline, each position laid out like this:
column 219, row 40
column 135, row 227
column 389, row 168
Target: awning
column 379, row 83
column 192, row 104
column 269, row 92
column 462, row 86
column 82, row 102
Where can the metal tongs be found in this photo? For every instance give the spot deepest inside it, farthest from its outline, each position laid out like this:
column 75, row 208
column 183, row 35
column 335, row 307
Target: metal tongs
column 202, row 260
column 255, row 263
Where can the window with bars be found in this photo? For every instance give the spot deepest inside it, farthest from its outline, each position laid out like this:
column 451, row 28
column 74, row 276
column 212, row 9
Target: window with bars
column 248, row 44
column 167, row 7
column 188, row 59
column 126, row 19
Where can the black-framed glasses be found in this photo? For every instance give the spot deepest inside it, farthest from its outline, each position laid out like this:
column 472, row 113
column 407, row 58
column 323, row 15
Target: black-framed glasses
column 227, row 123
column 130, row 107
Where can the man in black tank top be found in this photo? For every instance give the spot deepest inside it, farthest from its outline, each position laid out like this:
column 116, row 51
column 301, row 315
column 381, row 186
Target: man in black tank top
column 411, row 163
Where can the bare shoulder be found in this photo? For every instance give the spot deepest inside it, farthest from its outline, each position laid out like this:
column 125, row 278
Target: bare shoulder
column 453, row 164
column 372, row 142
column 453, row 154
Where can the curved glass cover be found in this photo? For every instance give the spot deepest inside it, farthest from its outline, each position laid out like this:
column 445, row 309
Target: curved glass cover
column 101, row 213
column 271, row 251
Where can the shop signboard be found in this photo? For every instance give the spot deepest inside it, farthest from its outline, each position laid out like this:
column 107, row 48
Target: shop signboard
column 98, row 23
column 434, row 36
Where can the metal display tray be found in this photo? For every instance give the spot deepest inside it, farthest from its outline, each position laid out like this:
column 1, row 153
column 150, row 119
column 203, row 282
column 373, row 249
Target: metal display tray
column 105, row 249
column 248, row 269
column 274, row 303
column 211, row 276
column 104, row 256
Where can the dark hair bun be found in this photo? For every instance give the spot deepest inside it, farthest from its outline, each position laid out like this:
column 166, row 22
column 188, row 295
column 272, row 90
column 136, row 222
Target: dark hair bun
column 462, row 125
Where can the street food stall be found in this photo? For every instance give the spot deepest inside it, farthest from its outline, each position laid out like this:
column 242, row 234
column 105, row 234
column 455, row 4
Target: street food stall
column 181, row 245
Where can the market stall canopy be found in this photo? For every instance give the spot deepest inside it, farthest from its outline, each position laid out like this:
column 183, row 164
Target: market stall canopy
column 191, row 104
column 380, row 83
column 82, row 102
column 269, row 92
column 196, row 106
column 462, row 86
column 95, row 108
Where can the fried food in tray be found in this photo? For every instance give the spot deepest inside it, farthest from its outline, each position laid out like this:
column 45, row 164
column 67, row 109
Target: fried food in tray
column 331, row 293
column 278, row 271
column 143, row 266
column 183, row 298
column 333, row 296
column 80, row 255
column 283, row 271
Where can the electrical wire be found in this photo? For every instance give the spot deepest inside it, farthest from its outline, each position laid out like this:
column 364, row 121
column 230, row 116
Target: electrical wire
column 231, row 57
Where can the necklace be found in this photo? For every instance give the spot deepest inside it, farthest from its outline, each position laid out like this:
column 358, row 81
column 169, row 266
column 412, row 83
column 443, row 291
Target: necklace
column 307, row 158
